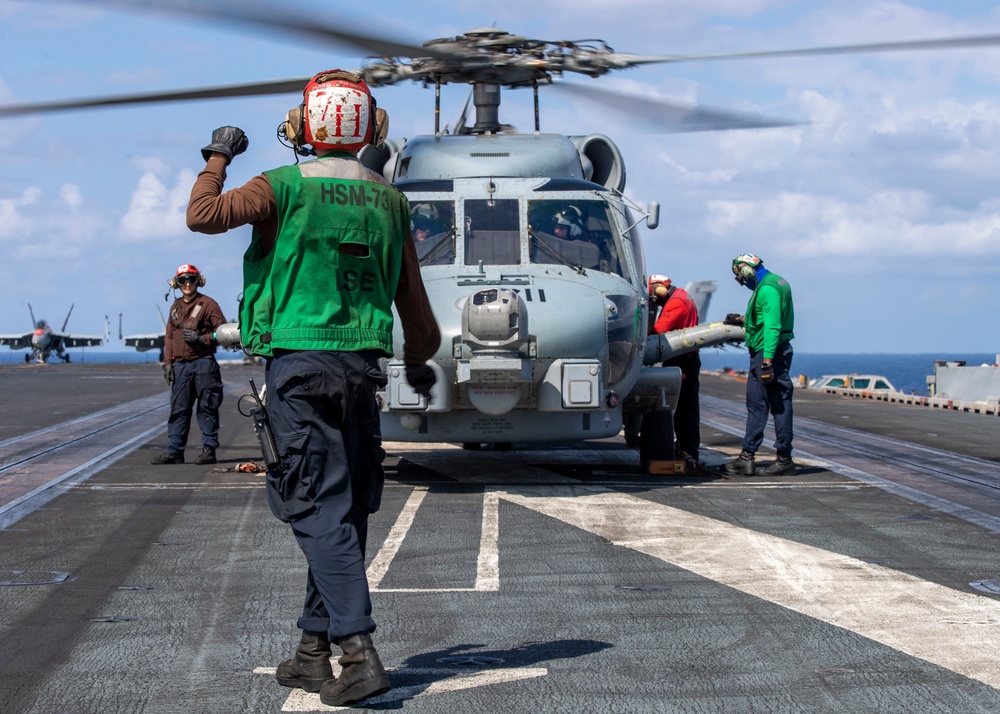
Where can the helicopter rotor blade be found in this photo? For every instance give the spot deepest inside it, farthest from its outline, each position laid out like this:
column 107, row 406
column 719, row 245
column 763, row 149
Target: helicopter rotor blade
column 672, row 117
column 907, row 45
column 284, row 86
column 272, row 19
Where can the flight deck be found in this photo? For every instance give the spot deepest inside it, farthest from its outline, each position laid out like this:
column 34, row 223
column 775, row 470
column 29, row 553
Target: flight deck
column 544, row 578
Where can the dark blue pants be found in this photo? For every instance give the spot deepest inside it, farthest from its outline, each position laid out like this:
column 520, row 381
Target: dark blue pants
column 687, row 417
column 326, row 427
column 775, row 398
column 195, row 381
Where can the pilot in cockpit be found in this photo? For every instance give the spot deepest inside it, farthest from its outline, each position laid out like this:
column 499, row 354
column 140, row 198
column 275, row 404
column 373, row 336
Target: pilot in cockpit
column 423, row 222
column 567, row 224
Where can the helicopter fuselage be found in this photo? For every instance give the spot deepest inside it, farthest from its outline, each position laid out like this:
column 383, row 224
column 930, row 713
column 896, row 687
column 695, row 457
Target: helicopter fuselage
column 543, row 326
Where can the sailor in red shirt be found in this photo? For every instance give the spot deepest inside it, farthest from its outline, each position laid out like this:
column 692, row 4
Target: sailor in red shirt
column 677, row 311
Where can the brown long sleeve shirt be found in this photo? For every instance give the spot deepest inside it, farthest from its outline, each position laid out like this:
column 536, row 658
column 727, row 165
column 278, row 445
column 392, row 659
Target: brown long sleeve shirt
column 203, row 315
column 212, row 211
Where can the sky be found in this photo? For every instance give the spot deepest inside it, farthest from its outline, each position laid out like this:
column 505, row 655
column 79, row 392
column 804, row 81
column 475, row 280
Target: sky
column 881, row 209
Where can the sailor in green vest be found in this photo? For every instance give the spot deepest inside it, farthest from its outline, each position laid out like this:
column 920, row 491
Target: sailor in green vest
column 329, row 255
column 769, row 322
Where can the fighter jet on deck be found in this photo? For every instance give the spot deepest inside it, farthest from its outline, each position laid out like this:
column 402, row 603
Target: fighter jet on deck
column 43, row 340
column 144, row 343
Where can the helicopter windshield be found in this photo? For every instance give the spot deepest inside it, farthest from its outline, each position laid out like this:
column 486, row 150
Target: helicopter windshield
column 577, row 232
column 432, row 225
column 492, row 232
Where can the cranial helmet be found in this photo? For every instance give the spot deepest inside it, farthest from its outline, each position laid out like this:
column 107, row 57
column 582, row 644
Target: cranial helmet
column 338, row 112
column 659, row 286
column 572, row 218
column 187, row 269
column 745, row 268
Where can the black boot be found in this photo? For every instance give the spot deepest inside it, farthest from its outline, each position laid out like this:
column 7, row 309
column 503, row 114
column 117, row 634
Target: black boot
column 207, row 456
column 310, row 666
column 168, row 458
column 782, row 466
column 362, row 676
column 742, row 465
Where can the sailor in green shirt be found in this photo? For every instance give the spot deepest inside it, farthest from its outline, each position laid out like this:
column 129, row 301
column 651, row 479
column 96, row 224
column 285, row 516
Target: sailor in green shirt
column 769, row 321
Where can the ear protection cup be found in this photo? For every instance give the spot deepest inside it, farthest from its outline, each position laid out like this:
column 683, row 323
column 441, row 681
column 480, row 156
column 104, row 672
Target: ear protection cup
column 292, row 128
column 381, row 128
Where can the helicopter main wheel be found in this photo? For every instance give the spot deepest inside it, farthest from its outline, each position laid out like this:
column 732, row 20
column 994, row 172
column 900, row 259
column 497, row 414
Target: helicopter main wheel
column 472, row 446
column 27, row 358
column 66, row 359
column 656, row 438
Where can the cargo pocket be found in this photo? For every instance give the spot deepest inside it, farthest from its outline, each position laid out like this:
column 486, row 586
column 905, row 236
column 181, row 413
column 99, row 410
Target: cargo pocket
column 289, row 487
column 372, row 455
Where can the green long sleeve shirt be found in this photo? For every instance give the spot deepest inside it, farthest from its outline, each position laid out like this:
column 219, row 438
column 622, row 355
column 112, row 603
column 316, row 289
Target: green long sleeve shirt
column 770, row 317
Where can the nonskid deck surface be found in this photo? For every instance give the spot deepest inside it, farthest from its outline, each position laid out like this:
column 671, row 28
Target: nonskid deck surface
column 545, row 578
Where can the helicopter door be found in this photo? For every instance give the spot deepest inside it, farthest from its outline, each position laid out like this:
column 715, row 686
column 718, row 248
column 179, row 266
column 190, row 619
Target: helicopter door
column 492, row 233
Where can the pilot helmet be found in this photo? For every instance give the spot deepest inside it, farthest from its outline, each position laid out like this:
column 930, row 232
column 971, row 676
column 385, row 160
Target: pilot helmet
column 424, row 216
column 572, row 218
column 745, row 268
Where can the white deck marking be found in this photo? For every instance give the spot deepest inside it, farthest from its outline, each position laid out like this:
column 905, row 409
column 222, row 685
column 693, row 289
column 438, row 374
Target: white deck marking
column 487, row 562
column 955, row 630
column 383, row 559
column 444, row 680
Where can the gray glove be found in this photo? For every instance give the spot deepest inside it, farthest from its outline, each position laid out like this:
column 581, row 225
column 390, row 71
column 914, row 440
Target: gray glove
column 733, row 318
column 192, row 337
column 421, row 377
column 227, row 140
column 168, row 374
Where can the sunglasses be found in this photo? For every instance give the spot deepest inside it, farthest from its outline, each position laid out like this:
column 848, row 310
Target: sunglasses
column 185, row 279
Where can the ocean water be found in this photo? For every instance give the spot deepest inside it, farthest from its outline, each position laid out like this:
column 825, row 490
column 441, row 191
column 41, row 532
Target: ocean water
column 907, row 372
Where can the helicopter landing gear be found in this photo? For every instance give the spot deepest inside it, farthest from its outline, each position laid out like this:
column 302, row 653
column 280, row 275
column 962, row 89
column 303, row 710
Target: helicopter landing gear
column 656, row 438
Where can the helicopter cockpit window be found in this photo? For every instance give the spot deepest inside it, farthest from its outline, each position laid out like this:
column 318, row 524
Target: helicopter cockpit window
column 492, row 233
column 575, row 232
column 432, row 224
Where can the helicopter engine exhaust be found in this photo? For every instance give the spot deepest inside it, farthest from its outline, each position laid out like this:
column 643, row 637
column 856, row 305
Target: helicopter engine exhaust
column 494, row 330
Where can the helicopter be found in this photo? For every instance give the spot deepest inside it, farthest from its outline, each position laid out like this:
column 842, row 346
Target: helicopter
column 545, row 338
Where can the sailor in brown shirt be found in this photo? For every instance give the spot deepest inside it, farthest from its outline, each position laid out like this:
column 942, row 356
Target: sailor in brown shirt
column 190, row 368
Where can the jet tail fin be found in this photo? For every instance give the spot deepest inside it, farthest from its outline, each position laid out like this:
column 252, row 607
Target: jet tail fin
column 701, row 292
column 32, row 313
column 66, row 321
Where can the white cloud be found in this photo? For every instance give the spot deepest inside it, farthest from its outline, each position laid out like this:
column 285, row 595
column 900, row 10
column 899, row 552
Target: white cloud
column 70, row 193
column 13, row 223
column 157, row 211
column 887, row 225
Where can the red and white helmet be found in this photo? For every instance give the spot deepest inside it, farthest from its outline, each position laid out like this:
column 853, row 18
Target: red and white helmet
column 188, row 269
column 654, row 279
column 339, row 111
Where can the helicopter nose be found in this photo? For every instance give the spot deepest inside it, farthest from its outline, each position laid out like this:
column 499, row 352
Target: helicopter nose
column 494, row 328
